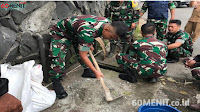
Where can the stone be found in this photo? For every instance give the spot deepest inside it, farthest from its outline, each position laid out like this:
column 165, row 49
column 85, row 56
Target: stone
column 3, row 12
column 101, row 7
column 8, row 22
column 39, row 20
column 19, row 14
column 94, row 8
column 14, row 52
column 71, row 5
column 28, row 43
column 7, row 38
column 86, row 9
column 62, row 10
column 24, row 50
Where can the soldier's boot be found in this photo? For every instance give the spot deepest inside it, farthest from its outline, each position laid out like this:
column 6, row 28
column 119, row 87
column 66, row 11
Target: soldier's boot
column 125, row 48
column 112, row 50
column 128, row 76
column 88, row 73
column 60, row 92
column 173, row 60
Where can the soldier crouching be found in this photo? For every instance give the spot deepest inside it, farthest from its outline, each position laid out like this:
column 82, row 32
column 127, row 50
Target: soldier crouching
column 146, row 58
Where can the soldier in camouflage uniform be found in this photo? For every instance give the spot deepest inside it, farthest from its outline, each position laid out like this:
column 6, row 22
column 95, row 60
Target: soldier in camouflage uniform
column 80, row 32
column 127, row 12
column 158, row 14
column 179, row 42
column 146, row 58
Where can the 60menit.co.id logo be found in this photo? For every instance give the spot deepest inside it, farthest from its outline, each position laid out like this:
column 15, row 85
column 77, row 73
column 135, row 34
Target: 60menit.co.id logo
column 13, row 5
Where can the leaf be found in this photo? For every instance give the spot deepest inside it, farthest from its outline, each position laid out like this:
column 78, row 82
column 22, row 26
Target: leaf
column 170, row 79
column 182, row 92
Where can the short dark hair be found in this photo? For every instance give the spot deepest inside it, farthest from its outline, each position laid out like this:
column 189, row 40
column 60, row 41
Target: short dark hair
column 121, row 28
column 148, row 28
column 178, row 22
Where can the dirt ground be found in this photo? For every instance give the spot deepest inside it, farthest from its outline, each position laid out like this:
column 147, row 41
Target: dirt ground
column 87, row 95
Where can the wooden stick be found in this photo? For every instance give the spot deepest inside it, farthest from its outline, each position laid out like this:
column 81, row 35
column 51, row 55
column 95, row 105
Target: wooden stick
column 106, row 90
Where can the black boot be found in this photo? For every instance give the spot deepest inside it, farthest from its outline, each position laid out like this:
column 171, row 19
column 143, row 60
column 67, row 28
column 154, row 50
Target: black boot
column 128, row 76
column 60, row 92
column 88, row 73
column 173, row 60
column 112, row 50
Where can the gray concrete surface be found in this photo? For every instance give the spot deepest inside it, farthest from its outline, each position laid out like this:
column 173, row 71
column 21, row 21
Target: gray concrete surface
column 86, row 95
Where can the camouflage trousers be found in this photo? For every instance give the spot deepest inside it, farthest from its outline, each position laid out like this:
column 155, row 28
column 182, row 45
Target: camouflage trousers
column 195, row 71
column 161, row 28
column 58, row 51
column 125, row 61
column 179, row 52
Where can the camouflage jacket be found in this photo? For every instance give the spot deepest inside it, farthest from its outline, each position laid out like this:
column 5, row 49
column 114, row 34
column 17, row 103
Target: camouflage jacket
column 149, row 51
column 124, row 12
column 81, row 29
column 181, row 37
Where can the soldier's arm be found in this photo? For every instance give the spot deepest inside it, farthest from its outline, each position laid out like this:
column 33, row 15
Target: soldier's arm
column 172, row 7
column 143, row 9
column 179, row 41
column 174, row 45
column 86, row 60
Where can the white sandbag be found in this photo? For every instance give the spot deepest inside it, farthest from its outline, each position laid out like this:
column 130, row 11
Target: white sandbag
column 15, row 75
column 42, row 98
column 25, row 83
column 19, row 77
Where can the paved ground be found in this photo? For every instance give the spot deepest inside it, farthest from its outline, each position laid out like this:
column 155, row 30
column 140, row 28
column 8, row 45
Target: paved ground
column 86, row 95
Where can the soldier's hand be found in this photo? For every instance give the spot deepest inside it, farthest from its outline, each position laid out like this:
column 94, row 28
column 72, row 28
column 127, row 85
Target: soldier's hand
column 190, row 63
column 133, row 25
column 92, row 48
column 9, row 103
column 99, row 74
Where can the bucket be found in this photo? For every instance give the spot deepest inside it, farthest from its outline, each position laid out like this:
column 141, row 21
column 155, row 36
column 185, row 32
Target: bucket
column 156, row 107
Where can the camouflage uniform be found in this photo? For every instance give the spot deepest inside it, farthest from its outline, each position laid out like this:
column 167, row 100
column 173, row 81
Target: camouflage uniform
column 161, row 25
column 185, row 50
column 196, row 67
column 78, row 31
column 150, row 58
column 124, row 12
